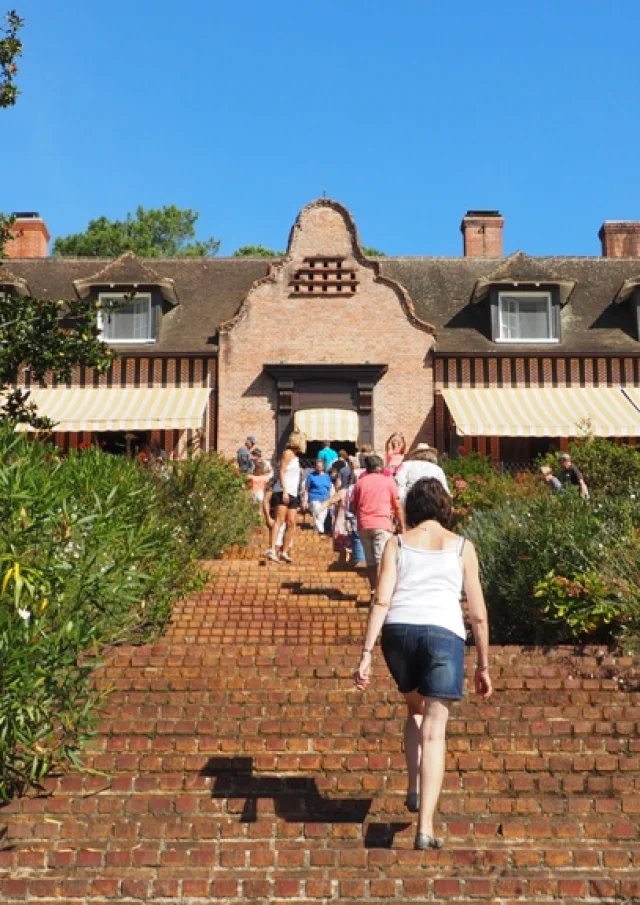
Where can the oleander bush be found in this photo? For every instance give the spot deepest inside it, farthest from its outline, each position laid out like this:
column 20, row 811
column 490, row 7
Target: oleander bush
column 93, row 551
column 556, row 568
column 211, row 502
column 609, row 469
column 467, row 466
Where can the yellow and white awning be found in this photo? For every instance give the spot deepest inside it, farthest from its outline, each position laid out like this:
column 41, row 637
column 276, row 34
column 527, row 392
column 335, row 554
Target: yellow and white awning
column 633, row 395
column 327, row 424
column 542, row 411
column 120, row 409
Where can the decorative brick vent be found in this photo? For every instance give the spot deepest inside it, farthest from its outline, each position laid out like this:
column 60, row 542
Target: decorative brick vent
column 325, row 277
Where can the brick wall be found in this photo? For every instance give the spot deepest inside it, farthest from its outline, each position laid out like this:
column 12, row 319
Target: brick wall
column 376, row 324
column 29, row 238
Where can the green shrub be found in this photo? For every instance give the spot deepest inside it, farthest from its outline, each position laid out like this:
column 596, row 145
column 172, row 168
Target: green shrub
column 469, row 465
column 585, row 604
column 211, row 502
column 609, row 469
column 46, row 695
column 93, row 551
column 521, row 541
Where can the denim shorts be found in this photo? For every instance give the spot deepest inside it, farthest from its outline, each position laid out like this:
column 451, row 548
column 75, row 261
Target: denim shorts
column 425, row 658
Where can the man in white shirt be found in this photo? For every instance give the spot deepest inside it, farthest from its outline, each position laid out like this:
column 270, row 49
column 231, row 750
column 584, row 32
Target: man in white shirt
column 419, row 462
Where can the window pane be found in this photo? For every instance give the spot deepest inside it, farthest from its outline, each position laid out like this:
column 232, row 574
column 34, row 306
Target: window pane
column 128, row 322
column 526, row 317
column 533, row 321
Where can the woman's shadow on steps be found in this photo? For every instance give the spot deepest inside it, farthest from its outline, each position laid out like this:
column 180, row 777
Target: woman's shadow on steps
column 330, row 593
column 296, row 799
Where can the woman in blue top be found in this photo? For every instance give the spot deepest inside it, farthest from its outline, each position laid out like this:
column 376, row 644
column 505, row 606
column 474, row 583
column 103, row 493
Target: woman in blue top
column 317, row 490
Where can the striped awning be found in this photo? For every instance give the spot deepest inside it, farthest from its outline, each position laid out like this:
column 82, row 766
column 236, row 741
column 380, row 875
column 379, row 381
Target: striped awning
column 327, row 424
column 542, row 411
column 633, row 395
column 118, row 408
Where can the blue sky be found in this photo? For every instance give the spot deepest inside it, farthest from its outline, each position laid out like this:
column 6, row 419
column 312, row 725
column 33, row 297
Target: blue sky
column 409, row 113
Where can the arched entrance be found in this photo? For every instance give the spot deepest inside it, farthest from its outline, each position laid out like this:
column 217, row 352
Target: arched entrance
column 344, row 388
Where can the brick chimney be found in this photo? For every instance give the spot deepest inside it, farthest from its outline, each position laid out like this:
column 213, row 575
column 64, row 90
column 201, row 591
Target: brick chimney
column 620, row 238
column 30, row 237
column 482, row 234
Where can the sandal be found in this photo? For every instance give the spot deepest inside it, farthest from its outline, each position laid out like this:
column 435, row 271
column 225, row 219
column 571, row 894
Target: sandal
column 412, row 802
column 424, row 842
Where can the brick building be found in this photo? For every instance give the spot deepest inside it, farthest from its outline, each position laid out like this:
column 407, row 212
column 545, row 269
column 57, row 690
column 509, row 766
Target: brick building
column 504, row 355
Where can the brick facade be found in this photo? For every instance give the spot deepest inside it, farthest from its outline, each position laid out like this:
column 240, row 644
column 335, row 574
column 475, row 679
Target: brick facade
column 273, row 337
column 275, row 324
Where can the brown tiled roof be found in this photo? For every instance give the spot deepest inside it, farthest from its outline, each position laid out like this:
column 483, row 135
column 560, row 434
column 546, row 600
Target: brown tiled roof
column 210, row 291
column 9, row 278
column 127, row 270
column 442, row 291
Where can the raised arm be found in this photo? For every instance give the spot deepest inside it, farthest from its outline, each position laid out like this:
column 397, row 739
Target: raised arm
column 398, row 509
column 479, row 619
column 333, row 500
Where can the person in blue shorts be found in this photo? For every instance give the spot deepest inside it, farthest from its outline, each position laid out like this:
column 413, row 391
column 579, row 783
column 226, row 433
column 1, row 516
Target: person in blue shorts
column 418, row 607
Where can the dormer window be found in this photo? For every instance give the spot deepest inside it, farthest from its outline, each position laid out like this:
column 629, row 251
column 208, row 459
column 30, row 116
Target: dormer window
column 526, row 317
column 126, row 320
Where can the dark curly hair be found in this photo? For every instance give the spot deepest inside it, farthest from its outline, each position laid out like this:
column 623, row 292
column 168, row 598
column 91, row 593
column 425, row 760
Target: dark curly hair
column 427, row 499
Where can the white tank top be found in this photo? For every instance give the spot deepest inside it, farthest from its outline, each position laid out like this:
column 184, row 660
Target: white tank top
column 291, row 478
column 428, row 588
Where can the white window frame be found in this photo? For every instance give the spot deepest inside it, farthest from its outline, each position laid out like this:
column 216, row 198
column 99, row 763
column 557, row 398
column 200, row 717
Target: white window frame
column 526, row 295
column 129, row 300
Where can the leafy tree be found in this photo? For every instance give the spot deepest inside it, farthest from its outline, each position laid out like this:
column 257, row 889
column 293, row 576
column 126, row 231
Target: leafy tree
column 45, row 337
column 256, row 251
column 371, row 252
column 10, row 50
column 151, row 233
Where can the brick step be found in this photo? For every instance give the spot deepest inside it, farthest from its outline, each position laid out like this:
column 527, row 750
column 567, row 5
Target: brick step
column 305, row 727
column 597, row 699
column 109, row 820
column 143, row 752
column 340, row 797
column 520, row 663
column 410, row 880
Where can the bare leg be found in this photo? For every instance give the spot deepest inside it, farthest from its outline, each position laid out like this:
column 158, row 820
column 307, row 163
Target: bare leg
column 433, row 733
column 372, row 575
column 412, row 739
column 281, row 515
column 290, row 530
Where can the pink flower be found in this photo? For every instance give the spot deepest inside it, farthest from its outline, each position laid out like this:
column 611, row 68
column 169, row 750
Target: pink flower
column 461, row 485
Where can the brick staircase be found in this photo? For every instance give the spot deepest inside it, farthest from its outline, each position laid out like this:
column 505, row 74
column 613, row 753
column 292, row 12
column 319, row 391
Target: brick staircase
column 236, row 762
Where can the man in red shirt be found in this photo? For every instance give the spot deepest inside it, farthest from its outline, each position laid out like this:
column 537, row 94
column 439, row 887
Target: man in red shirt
column 375, row 502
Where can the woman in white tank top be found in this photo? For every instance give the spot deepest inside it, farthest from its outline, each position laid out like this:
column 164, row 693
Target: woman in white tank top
column 286, row 496
column 418, row 608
